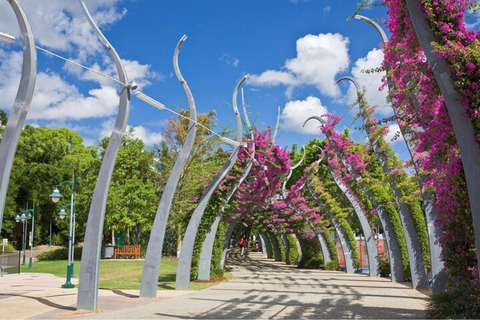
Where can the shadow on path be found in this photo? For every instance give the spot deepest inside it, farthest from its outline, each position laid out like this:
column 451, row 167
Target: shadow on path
column 44, row 301
column 262, row 288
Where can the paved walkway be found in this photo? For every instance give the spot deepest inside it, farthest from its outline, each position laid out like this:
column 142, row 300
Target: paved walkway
column 260, row 288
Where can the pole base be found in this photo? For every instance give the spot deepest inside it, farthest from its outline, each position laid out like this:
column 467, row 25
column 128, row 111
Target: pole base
column 68, row 285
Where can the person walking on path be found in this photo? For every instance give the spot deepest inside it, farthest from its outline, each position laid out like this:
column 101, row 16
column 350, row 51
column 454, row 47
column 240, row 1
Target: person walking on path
column 241, row 243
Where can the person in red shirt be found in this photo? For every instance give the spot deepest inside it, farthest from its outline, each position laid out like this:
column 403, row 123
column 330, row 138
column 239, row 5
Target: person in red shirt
column 241, row 243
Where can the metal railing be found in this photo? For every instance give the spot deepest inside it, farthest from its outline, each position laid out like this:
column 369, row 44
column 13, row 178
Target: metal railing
column 9, row 263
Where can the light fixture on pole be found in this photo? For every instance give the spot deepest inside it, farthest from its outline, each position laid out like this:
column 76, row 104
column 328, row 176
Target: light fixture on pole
column 62, row 214
column 23, row 218
column 18, row 218
column 56, row 196
column 149, row 100
column 31, row 215
column 6, row 38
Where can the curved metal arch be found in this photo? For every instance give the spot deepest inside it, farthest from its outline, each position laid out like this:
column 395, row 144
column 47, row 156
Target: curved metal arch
column 327, row 256
column 268, row 245
column 286, row 246
column 151, row 268
column 347, row 250
column 208, row 243
column 19, row 111
column 264, row 250
column 377, row 27
column 276, row 246
column 396, row 265
column 417, row 266
column 352, row 80
column 185, row 259
column 284, row 186
column 319, row 119
column 372, row 251
column 431, row 213
column 89, row 271
column 207, row 247
column 226, row 242
column 244, row 106
column 275, row 132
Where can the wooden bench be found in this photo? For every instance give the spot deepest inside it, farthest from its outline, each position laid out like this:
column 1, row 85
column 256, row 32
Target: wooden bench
column 127, row 250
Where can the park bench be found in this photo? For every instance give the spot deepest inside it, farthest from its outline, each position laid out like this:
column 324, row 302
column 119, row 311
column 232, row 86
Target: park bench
column 127, row 250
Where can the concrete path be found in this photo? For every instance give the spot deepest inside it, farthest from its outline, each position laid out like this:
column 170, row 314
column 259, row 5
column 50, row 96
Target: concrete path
column 260, row 288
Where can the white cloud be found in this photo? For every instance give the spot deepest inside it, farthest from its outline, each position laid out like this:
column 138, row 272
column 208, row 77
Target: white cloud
column 474, row 20
column 139, row 132
column 54, row 98
column 298, row 1
column 371, row 81
column 326, row 10
column 271, row 78
column 67, row 28
column 148, row 137
column 142, row 74
column 229, row 60
column 394, row 132
column 61, row 25
column 319, row 59
column 296, row 112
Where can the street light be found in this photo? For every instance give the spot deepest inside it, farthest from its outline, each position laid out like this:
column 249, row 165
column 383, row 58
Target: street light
column 56, row 196
column 31, row 215
column 24, row 219
column 62, row 214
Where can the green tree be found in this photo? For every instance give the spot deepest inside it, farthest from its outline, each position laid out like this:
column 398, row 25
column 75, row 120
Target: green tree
column 3, row 118
column 44, row 158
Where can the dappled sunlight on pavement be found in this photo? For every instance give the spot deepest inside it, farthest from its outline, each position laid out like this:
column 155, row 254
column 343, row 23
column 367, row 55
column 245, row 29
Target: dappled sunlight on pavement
column 260, row 288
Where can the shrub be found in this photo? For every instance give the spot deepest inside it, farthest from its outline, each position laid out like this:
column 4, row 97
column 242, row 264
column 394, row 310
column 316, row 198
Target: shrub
column 57, row 240
column 293, row 250
column 311, row 258
column 170, row 241
column 59, row 254
column 452, row 305
column 9, row 248
column 383, row 265
column 332, row 265
column 217, row 273
column 280, row 246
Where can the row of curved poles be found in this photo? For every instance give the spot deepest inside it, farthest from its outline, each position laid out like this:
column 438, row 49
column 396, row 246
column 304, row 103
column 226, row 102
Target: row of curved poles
column 89, row 276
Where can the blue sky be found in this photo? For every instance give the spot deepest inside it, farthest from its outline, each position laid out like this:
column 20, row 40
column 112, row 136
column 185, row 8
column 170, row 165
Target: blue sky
column 292, row 49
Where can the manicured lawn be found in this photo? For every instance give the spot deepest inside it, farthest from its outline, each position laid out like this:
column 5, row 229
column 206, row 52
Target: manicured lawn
column 119, row 274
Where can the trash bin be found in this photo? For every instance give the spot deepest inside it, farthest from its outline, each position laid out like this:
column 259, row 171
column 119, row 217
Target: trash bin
column 108, row 251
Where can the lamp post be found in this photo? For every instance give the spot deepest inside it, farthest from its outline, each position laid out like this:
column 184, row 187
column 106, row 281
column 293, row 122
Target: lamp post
column 56, row 196
column 62, row 214
column 22, row 217
column 30, row 215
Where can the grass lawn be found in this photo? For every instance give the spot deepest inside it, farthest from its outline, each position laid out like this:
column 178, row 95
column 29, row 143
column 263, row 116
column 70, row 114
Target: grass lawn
column 120, row 274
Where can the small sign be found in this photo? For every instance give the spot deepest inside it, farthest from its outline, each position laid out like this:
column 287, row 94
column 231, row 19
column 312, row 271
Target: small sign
column 5, row 241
